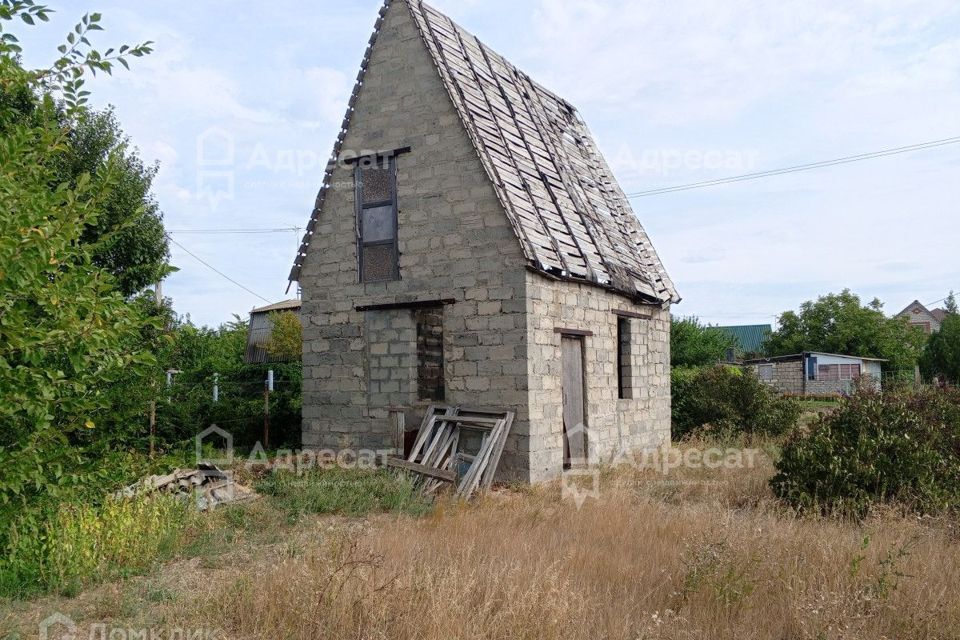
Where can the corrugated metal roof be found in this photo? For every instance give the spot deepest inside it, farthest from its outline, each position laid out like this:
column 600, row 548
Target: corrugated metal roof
column 749, row 336
column 261, row 328
column 570, row 215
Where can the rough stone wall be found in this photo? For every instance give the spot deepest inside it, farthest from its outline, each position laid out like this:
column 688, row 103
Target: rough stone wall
column 455, row 242
column 787, row 377
column 641, row 422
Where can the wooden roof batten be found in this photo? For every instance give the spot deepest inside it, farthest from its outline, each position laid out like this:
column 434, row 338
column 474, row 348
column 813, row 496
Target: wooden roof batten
column 554, row 185
column 479, row 143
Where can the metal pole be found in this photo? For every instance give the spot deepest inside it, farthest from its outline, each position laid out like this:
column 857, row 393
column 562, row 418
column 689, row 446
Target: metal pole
column 153, row 425
column 266, row 416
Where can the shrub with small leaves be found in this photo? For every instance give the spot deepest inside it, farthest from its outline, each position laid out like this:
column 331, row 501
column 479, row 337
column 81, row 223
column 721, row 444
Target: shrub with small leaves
column 900, row 447
column 728, row 399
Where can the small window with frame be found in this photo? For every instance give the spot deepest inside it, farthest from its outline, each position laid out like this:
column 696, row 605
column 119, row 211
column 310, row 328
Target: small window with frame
column 376, row 211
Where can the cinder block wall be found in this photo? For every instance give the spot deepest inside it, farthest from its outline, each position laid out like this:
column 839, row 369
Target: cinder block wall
column 455, row 242
column 787, row 377
column 639, row 423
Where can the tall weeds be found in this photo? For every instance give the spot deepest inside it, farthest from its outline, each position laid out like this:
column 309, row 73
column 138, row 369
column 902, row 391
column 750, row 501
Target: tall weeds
column 63, row 549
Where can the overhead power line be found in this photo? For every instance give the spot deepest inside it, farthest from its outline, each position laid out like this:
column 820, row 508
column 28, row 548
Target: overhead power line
column 795, row 169
column 215, row 270
column 235, row 231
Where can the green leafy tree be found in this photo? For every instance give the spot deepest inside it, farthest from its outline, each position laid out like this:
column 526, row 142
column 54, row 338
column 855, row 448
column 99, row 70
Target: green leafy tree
column 67, row 334
column 286, row 336
column 941, row 357
column 840, row 323
column 129, row 234
column 693, row 344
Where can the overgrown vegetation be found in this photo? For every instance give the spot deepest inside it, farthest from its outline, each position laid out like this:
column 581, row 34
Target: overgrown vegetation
column 77, row 543
column 728, row 399
column 941, row 357
column 83, row 346
column 693, row 344
column 286, row 336
column 71, row 345
column 205, row 357
column 720, row 559
column 899, row 447
column 351, row 492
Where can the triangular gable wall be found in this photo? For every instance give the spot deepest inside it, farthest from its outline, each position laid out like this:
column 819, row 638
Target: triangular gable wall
column 567, row 210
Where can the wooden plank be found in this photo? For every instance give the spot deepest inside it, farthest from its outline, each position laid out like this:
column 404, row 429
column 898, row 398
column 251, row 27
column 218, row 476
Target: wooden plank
column 483, row 459
column 423, row 435
column 574, row 432
column 487, row 479
column 429, row 472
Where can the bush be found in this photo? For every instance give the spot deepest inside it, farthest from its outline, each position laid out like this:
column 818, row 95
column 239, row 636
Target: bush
column 899, row 447
column 724, row 398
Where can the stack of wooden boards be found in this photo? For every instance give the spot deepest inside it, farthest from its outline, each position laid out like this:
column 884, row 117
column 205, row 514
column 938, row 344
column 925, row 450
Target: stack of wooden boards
column 458, row 447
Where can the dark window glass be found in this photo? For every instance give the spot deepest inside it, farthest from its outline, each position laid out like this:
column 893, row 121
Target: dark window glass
column 378, row 224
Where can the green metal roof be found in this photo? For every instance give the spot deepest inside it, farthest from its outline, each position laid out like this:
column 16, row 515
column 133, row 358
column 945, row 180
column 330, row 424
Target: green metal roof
column 750, row 336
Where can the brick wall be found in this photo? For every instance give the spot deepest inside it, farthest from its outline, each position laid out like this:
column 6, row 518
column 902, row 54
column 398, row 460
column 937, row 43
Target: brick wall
column 787, row 376
column 641, row 422
column 455, row 242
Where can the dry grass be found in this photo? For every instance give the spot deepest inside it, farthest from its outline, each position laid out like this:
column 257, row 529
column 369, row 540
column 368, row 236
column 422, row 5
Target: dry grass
column 696, row 554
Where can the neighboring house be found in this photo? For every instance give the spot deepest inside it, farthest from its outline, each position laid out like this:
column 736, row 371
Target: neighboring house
column 261, row 326
column 471, row 246
column 816, row 374
column 749, row 339
column 919, row 316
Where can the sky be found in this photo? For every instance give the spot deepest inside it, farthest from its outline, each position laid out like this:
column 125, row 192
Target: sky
column 241, row 102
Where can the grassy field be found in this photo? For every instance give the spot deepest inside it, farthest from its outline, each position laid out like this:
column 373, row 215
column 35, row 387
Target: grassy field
column 694, row 553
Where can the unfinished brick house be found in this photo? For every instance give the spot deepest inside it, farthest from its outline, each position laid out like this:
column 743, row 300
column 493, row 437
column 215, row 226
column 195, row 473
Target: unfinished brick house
column 471, row 246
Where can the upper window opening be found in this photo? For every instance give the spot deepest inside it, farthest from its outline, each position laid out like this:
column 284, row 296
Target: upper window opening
column 376, row 195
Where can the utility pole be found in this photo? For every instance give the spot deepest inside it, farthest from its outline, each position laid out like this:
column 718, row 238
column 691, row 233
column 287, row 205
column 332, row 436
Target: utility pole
column 267, row 388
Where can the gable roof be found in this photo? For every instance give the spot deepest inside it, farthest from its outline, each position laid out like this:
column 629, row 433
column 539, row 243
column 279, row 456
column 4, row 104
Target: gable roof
column 916, row 304
column 566, row 208
column 750, row 337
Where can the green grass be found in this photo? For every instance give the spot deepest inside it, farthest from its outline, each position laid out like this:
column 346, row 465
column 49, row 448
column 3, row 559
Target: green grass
column 351, row 492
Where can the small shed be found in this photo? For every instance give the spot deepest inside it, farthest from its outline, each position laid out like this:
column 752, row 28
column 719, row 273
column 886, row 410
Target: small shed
column 261, row 328
column 816, row 374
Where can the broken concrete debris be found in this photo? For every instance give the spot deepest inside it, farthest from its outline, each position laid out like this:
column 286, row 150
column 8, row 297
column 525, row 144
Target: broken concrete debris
column 207, row 485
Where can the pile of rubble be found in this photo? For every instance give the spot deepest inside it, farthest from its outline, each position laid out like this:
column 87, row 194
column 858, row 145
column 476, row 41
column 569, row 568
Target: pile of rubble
column 207, row 486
